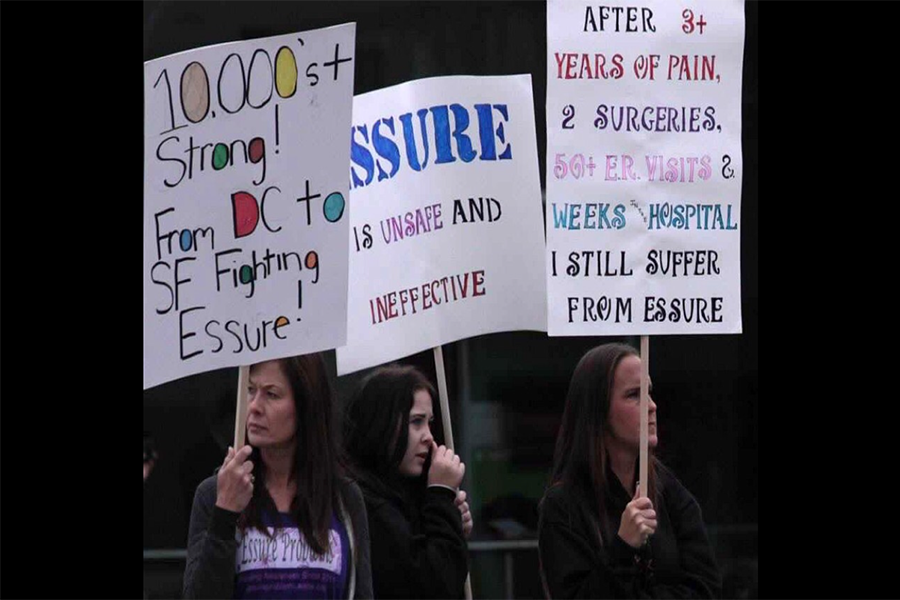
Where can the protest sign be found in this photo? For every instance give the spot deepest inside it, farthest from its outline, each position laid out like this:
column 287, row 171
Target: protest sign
column 445, row 206
column 245, row 193
column 644, row 167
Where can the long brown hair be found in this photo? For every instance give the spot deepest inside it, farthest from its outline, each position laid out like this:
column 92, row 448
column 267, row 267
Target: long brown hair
column 316, row 466
column 580, row 458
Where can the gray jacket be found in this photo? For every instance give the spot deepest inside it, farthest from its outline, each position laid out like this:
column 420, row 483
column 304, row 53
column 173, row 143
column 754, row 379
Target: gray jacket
column 209, row 572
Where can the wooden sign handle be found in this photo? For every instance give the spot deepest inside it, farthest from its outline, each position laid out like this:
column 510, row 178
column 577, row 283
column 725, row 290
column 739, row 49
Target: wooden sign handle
column 240, row 418
column 645, row 417
column 445, row 418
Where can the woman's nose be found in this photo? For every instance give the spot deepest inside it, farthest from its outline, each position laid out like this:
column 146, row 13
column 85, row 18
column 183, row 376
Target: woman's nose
column 427, row 438
column 253, row 403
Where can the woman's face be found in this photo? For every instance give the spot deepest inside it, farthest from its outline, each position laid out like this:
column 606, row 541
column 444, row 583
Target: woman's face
column 624, row 419
column 271, row 417
column 419, row 443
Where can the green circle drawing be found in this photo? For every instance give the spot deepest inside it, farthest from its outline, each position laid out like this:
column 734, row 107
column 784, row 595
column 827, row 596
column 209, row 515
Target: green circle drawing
column 220, row 156
column 334, row 207
column 246, row 274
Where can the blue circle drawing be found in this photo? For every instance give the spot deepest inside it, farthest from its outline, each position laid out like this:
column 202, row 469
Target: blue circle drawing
column 186, row 240
column 334, row 207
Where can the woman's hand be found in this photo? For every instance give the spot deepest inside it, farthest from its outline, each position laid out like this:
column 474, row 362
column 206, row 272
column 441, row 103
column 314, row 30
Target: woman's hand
column 463, row 507
column 638, row 521
column 446, row 468
column 234, row 482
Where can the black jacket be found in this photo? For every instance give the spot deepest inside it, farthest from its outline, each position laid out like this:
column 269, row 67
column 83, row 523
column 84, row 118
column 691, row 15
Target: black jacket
column 418, row 547
column 677, row 563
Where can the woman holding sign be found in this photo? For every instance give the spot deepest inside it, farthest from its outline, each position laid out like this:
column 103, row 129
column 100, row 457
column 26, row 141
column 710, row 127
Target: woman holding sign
column 418, row 518
column 277, row 520
column 597, row 537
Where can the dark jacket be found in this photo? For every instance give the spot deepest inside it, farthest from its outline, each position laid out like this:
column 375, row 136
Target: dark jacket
column 209, row 572
column 677, row 563
column 418, row 547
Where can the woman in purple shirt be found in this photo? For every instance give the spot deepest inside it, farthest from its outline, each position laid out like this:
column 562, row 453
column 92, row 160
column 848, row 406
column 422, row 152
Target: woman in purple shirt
column 278, row 520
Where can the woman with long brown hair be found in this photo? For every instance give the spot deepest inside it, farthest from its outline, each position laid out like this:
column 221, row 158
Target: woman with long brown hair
column 278, row 519
column 418, row 516
column 597, row 537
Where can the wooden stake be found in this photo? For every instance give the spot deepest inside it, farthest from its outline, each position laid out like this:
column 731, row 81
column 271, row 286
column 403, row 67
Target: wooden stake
column 240, row 420
column 445, row 418
column 442, row 393
column 645, row 417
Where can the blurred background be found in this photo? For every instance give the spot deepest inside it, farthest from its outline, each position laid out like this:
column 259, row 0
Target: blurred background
column 507, row 390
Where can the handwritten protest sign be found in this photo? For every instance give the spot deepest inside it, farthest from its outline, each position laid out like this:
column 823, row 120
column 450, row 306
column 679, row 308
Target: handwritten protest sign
column 644, row 167
column 245, row 193
column 446, row 239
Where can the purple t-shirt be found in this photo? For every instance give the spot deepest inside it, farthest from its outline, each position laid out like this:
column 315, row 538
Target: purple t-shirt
column 284, row 566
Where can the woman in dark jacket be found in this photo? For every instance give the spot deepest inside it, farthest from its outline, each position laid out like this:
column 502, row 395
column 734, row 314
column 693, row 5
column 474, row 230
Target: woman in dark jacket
column 278, row 520
column 418, row 518
column 597, row 537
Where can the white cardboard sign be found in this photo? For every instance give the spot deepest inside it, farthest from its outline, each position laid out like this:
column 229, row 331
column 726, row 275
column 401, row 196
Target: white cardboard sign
column 446, row 234
column 245, row 188
column 644, row 167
